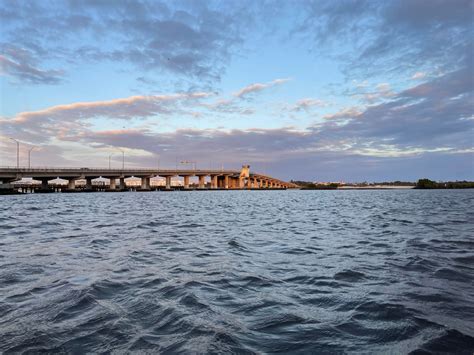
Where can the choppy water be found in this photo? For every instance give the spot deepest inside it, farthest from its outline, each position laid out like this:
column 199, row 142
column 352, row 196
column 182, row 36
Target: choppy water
column 238, row 271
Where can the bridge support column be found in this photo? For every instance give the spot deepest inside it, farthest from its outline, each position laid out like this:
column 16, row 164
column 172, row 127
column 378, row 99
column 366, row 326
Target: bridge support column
column 201, row 181
column 145, row 183
column 241, row 182
column 226, row 182
column 71, row 185
column 44, row 184
column 112, row 184
column 213, row 181
column 186, row 182
column 255, row 183
column 122, row 185
column 88, row 183
column 168, row 182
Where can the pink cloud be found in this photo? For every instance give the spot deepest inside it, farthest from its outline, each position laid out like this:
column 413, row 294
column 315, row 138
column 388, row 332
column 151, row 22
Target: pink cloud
column 256, row 87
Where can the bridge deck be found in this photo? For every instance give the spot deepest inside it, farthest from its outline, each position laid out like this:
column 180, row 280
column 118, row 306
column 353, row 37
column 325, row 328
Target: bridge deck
column 233, row 178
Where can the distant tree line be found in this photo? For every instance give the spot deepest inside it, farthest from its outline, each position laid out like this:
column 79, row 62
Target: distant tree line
column 308, row 185
column 430, row 184
column 384, row 183
column 421, row 184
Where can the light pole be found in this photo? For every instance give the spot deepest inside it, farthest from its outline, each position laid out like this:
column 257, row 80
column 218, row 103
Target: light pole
column 110, row 156
column 29, row 156
column 17, row 152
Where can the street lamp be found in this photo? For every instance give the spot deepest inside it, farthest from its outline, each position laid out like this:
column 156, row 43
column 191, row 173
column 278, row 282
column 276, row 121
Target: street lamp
column 110, row 156
column 17, row 152
column 29, row 156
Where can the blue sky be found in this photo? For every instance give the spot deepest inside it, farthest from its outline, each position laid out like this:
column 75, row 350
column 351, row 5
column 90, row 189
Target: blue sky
column 314, row 90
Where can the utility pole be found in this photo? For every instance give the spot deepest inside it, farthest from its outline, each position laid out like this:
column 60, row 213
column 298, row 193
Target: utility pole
column 110, row 156
column 29, row 156
column 17, row 152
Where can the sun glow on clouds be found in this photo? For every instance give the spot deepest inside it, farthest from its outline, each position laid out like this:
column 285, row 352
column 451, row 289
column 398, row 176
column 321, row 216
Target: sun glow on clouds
column 122, row 108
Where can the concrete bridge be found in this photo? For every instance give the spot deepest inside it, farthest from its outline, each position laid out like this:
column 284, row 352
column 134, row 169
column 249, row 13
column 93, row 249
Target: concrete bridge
column 219, row 179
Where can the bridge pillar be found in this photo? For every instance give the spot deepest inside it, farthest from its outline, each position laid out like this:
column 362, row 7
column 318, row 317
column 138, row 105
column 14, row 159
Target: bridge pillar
column 44, row 184
column 112, row 184
column 201, row 181
column 186, row 181
column 213, row 181
column 241, row 183
column 145, row 183
column 71, row 185
column 88, row 183
column 226, row 182
column 122, row 184
column 255, row 183
column 168, row 182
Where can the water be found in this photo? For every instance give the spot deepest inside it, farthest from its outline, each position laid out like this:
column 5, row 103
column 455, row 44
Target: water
column 238, row 271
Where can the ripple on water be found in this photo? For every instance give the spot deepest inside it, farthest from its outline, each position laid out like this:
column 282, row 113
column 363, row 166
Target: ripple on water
column 238, row 272
column 349, row 276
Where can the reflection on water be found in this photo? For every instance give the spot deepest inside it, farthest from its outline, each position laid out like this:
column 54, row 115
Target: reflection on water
column 238, row 271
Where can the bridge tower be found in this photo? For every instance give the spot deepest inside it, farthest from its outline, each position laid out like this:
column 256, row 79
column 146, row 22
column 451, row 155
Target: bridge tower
column 244, row 174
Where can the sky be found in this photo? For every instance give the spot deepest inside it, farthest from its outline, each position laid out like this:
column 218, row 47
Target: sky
column 304, row 90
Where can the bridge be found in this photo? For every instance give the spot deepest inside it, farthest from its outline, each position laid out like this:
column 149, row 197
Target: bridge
column 219, row 179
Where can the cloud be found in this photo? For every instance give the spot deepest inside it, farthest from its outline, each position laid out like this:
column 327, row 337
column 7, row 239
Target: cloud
column 190, row 40
column 126, row 108
column 307, row 103
column 381, row 91
column 344, row 113
column 431, row 115
column 257, row 87
column 289, row 153
column 433, row 119
column 435, row 114
column 19, row 63
column 65, row 121
column 425, row 34
column 418, row 75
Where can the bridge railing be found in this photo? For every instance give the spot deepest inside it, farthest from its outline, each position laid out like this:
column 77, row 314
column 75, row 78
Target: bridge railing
column 126, row 169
